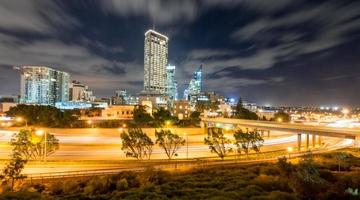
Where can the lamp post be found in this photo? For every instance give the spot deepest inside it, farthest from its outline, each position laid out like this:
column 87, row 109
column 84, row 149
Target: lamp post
column 187, row 146
column 290, row 149
column 43, row 133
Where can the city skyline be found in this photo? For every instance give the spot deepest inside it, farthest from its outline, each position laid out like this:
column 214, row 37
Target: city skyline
column 281, row 53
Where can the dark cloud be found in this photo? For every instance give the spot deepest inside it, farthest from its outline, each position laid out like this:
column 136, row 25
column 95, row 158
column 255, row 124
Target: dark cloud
column 116, row 70
column 279, row 52
column 160, row 12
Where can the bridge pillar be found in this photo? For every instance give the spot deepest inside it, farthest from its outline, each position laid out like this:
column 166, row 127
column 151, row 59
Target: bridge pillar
column 307, row 141
column 268, row 133
column 314, row 140
column 299, row 142
column 262, row 133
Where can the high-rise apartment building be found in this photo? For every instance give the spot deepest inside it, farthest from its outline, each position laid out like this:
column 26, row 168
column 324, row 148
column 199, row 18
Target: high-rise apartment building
column 155, row 62
column 43, row 85
column 80, row 92
column 171, row 83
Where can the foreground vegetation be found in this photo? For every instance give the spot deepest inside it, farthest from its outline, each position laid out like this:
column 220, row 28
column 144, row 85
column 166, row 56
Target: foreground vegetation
column 327, row 176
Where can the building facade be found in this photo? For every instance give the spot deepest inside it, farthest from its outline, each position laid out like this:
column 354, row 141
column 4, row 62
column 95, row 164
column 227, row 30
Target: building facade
column 9, row 98
column 118, row 112
column 155, row 61
column 80, row 92
column 122, row 97
column 181, row 109
column 171, row 83
column 43, row 85
column 195, row 87
column 5, row 106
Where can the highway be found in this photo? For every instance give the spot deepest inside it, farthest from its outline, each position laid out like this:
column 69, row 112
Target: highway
column 105, row 144
column 95, row 148
column 350, row 133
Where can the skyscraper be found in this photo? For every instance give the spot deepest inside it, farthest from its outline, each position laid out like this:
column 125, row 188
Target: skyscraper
column 195, row 85
column 155, row 62
column 171, row 83
column 43, row 85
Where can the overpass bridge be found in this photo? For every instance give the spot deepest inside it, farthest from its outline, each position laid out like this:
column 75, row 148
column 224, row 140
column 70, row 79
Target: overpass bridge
column 317, row 132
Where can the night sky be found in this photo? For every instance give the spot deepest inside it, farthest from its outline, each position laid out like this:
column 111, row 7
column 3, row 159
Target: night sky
column 278, row 52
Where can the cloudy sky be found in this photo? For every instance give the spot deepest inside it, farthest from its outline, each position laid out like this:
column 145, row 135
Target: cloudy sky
column 281, row 52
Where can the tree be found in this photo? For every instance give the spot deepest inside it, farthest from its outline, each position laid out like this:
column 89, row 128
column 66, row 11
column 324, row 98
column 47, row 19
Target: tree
column 31, row 146
column 47, row 116
column 307, row 180
column 141, row 116
column 256, row 141
column 169, row 141
column 286, row 168
column 195, row 117
column 339, row 157
column 243, row 113
column 201, row 106
column 248, row 140
column 217, row 142
column 161, row 116
column 136, row 144
column 13, row 169
column 281, row 116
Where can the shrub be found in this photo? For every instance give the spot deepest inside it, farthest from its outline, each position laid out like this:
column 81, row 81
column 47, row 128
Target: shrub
column 278, row 195
column 70, row 187
column 39, row 187
column 156, row 177
column 122, row 184
column 56, row 188
column 21, row 195
column 97, row 186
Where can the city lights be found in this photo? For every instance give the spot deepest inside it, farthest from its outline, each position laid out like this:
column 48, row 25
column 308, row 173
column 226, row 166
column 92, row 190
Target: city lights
column 133, row 99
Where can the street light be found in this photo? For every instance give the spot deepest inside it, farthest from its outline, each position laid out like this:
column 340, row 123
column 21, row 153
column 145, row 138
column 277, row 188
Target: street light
column 90, row 123
column 187, row 145
column 345, row 111
column 42, row 133
column 167, row 123
column 279, row 120
column 290, row 149
column 20, row 119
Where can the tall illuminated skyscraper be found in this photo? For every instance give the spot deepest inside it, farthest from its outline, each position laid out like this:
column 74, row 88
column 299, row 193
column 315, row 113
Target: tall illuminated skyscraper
column 195, row 85
column 43, row 85
column 155, row 62
column 171, row 83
